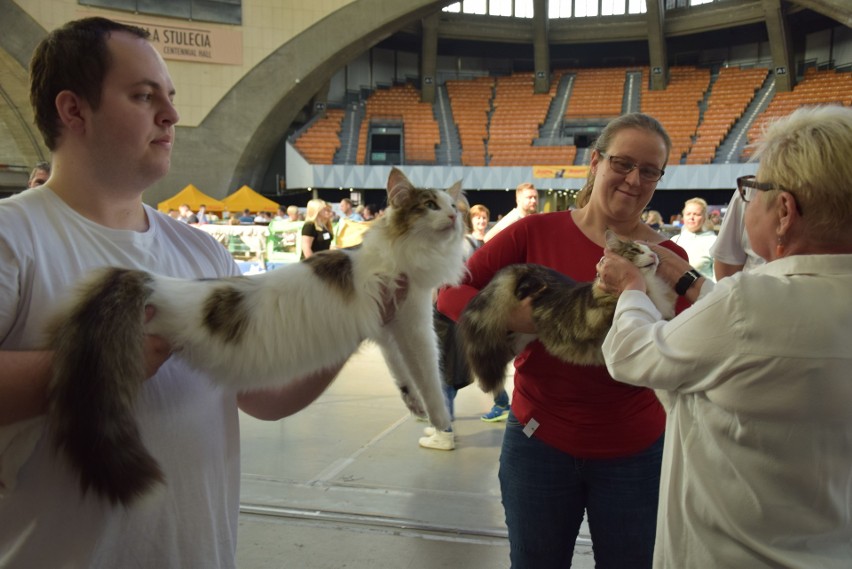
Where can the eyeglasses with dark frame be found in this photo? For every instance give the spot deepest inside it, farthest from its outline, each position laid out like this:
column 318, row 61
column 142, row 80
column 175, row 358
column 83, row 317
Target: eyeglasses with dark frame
column 748, row 186
column 624, row 166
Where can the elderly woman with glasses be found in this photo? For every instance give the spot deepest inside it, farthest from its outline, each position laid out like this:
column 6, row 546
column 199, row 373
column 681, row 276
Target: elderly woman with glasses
column 576, row 441
column 757, row 469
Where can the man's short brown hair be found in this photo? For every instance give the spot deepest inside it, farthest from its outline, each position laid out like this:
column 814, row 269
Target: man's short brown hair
column 72, row 58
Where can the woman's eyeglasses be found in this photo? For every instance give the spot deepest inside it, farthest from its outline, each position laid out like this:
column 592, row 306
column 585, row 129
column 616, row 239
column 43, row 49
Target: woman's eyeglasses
column 624, row 166
column 748, row 186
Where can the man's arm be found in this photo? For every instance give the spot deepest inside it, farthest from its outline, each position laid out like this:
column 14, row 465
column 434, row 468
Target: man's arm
column 274, row 404
column 722, row 269
column 24, row 377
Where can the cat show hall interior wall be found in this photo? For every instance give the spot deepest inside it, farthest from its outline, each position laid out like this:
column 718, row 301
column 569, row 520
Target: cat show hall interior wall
column 235, row 114
column 232, row 115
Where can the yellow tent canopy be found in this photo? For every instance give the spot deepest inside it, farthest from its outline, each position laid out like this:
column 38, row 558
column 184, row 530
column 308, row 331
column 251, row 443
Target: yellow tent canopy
column 193, row 197
column 247, row 198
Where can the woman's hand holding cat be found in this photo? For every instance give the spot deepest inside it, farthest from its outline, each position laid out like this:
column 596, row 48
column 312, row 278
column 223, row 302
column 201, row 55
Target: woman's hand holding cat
column 671, row 266
column 520, row 317
column 157, row 349
column 616, row 274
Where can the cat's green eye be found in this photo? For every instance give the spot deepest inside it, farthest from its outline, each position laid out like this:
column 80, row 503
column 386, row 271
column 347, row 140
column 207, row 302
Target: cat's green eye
column 432, row 204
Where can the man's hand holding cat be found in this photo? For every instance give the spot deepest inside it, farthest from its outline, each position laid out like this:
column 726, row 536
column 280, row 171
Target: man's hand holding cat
column 392, row 298
column 616, row 274
column 157, row 350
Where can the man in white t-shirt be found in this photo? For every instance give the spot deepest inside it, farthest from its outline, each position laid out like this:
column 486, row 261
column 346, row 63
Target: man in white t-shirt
column 732, row 251
column 526, row 200
column 103, row 102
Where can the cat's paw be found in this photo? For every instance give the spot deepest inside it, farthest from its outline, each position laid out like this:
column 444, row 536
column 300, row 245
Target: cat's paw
column 413, row 403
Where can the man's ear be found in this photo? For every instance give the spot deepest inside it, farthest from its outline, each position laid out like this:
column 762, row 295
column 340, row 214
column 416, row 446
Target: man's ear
column 70, row 108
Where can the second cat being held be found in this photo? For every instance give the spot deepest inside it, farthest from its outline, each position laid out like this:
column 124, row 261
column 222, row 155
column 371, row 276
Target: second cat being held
column 571, row 318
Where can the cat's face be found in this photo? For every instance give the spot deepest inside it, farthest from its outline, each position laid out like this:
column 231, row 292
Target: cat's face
column 640, row 255
column 416, row 210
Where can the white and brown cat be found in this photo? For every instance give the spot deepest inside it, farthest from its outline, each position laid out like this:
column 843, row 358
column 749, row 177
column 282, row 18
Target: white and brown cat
column 571, row 318
column 252, row 332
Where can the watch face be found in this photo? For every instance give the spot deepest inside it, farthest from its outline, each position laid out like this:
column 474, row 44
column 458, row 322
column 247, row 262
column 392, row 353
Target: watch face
column 686, row 281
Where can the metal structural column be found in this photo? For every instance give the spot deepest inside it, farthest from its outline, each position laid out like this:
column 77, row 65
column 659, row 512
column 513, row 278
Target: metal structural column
column 656, row 17
column 779, row 45
column 541, row 48
column 429, row 58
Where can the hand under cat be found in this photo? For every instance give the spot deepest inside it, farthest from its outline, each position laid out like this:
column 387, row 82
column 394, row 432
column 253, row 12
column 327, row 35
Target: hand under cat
column 616, row 274
column 521, row 318
column 392, row 298
column 157, row 350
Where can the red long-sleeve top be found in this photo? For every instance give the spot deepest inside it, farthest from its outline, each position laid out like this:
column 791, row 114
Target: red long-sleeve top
column 580, row 410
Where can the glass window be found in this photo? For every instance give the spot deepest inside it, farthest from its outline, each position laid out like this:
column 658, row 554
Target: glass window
column 586, row 8
column 500, row 7
column 453, row 8
column 475, row 6
column 612, row 7
column 524, row 8
column 559, row 9
column 637, row 7
column 697, row 2
column 221, row 11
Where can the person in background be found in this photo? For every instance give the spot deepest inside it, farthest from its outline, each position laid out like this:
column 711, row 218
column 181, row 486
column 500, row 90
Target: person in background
column 479, row 219
column 202, row 216
column 293, row 213
column 576, row 441
column 317, row 233
column 39, row 175
column 756, row 469
column 732, row 251
column 348, row 212
column 456, row 373
column 246, row 216
column 695, row 239
column 526, row 203
column 103, row 100
column 654, row 220
column 185, row 214
column 714, row 220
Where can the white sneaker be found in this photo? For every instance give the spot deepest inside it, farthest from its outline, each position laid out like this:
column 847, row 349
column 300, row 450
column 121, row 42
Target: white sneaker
column 429, row 431
column 439, row 440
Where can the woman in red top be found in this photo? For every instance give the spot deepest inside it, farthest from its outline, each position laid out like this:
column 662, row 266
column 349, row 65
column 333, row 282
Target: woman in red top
column 577, row 441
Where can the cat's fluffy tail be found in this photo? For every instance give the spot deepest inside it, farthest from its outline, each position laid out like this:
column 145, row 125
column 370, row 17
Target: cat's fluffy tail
column 98, row 367
column 482, row 329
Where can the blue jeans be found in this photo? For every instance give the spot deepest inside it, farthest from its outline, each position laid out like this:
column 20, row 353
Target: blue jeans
column 545, row 492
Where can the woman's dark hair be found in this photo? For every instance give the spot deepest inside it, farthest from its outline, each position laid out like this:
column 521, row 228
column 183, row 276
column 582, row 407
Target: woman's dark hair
column 75, row 58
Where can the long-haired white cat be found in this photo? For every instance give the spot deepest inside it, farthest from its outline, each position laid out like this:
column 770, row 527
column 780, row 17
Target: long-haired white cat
column 252, row 332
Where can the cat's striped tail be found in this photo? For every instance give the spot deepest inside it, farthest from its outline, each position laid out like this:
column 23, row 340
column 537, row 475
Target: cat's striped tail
column 98, row 368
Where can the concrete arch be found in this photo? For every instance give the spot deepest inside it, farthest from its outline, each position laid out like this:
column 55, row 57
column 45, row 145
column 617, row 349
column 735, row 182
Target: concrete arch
column 235, row 141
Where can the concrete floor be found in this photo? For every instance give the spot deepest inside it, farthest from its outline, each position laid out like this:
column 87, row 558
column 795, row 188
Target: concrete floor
column 343, row 484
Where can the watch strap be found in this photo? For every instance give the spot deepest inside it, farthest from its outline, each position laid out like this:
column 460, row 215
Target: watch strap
column 686, row 281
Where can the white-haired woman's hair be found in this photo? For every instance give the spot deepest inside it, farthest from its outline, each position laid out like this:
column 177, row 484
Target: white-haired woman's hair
column 809, row 154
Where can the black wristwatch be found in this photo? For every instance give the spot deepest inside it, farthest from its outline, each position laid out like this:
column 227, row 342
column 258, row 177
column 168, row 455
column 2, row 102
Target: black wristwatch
column 686, row 281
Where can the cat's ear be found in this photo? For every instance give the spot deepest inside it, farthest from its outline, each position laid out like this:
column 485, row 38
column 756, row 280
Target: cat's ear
column 612, row 239
column 456, row 192
column 398, row 186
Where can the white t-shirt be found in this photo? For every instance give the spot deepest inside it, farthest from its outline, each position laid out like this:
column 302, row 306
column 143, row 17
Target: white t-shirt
column 504, row 222
column 189, row 426
column 732, row 245
column 697, row 246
